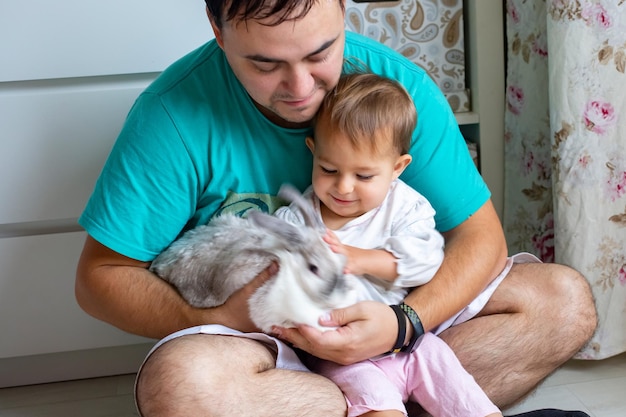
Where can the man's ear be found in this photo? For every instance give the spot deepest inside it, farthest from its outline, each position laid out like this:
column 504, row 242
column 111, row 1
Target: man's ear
column 216, row 31
column 344, row 8
column 401, row 163
column 310, row 143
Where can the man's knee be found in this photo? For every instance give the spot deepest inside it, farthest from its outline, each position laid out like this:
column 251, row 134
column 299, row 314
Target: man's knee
column 555, row 299
column 161, row 382
column 191, row 372
column 564, row 306
column 212, row 375
column 575, row 302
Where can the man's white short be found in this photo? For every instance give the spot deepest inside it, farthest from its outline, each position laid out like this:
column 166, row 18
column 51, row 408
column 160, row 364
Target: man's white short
column 286, row 358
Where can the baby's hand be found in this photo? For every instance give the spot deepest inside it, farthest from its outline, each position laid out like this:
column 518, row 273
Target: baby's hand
column 336, row 246
column 333, row 241
column 378, row 263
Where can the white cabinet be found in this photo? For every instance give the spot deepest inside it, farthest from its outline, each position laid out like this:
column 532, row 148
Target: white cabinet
column 56, row 137
column 45, row 335
column 70, row 71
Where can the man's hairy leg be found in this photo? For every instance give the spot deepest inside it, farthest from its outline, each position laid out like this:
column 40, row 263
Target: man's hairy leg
column 211, row 375
column 538, row 318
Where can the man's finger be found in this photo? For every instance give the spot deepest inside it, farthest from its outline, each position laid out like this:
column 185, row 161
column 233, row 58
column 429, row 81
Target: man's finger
column 263, row 277
column 340, row 317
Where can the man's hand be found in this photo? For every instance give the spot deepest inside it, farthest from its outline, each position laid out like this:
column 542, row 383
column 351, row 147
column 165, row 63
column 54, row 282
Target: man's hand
column 364, row 330
column 234, row 313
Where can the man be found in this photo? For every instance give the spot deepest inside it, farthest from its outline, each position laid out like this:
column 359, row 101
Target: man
column 220, row 131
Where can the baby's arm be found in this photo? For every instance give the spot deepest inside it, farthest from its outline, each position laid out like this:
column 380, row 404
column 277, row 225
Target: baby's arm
column 379, row 263
column 409, row 253
column 418, row 250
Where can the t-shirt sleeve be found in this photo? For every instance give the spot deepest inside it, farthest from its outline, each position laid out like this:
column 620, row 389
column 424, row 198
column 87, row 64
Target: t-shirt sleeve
column 416, row 244
column 290, row 214
column 442, row 168
column 146, row 191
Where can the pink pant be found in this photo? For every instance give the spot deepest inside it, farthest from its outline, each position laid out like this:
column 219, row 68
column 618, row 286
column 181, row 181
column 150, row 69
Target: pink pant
column 431, row 376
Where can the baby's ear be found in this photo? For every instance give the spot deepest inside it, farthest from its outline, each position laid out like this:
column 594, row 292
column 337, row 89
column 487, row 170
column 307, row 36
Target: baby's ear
column 310, row 143
column 401, row 163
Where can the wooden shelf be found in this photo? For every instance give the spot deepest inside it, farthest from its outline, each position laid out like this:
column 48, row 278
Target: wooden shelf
column 484, row 31
column 467, row 118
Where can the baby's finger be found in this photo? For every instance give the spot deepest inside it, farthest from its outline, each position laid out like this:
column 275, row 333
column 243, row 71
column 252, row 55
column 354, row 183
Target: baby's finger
column 331, row 238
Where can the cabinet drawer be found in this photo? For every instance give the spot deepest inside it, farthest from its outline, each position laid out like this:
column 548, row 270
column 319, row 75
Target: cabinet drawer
column 44, row 39
column 55, row 140
column 37, row 304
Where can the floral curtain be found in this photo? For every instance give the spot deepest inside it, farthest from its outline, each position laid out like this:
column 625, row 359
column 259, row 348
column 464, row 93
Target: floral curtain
column 565, row 149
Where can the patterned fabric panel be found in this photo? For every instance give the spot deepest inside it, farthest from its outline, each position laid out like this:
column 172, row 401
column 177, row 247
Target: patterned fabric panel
column 428, row 32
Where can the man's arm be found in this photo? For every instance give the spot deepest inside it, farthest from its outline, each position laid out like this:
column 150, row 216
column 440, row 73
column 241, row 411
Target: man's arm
column 121, row 291
column 475, row 254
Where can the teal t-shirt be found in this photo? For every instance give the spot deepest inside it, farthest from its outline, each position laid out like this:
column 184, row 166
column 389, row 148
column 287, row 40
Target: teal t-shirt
column 194, row 145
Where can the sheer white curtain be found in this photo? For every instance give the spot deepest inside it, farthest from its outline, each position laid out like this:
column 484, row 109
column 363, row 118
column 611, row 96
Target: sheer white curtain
column 565, row 158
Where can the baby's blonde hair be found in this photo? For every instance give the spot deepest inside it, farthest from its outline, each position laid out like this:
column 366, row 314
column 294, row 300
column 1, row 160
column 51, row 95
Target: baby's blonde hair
column 363, row 105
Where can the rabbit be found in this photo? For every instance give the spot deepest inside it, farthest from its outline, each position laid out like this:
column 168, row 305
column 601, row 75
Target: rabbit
column 210, row 262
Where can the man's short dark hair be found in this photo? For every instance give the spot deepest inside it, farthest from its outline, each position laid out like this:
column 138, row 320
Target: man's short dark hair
column 243, row 10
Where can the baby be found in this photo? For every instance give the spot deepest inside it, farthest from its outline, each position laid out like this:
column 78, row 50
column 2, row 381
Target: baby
column 386, row 230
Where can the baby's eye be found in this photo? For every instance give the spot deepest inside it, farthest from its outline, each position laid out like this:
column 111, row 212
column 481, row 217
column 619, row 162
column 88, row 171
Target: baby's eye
column 328, row 171
column 364, row 177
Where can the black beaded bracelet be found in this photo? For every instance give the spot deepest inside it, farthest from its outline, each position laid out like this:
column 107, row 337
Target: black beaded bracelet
column 401, row 316
column 418, row 328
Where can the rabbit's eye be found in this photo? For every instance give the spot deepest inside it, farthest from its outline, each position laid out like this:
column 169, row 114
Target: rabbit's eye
column 313, row 268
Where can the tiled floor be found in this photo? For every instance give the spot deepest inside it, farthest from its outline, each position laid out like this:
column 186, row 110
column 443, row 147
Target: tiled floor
column 596, row 387
column 101, row 397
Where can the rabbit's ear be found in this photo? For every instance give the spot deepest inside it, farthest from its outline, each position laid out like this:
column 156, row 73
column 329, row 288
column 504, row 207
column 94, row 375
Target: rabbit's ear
column 279, row 227
column 290, row 193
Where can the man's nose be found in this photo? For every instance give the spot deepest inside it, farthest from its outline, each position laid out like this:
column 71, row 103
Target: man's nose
column 300, row 81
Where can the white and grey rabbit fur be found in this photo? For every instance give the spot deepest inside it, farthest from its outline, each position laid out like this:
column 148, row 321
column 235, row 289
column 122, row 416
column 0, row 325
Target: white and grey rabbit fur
column 208, row 263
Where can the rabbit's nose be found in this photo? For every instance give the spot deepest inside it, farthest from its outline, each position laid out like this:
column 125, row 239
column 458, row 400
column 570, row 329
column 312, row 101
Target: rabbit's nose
column 333, row 284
